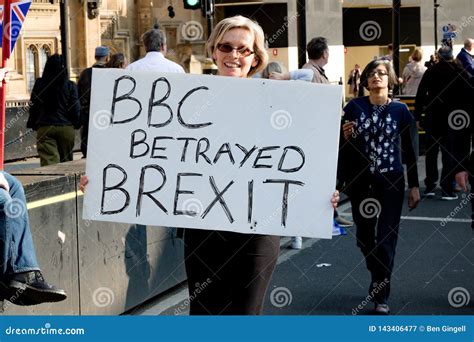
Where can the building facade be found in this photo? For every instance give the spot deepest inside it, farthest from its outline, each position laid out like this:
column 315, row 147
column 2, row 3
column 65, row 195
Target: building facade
column 120, row 23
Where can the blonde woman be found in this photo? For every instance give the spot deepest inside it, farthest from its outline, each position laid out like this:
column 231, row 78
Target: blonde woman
column 413, row 73
column 236, row 268
column 239, row 266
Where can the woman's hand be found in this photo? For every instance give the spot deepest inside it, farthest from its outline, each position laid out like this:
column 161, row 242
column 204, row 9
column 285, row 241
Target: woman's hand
column 462, row 179
column 83, row 183
column 413, row 197
column 335, row 199
column 348, row 129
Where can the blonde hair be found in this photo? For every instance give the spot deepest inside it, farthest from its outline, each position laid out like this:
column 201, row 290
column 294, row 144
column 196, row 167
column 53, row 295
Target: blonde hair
column 417, row 55
column 239, row 21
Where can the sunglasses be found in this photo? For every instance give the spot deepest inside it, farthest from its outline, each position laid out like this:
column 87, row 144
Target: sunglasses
column 242, row 51
column 379, row 73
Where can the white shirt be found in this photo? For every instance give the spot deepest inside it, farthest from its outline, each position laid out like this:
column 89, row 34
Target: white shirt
column 155, row 61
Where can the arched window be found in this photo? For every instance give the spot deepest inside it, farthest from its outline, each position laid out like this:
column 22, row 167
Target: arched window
column 44, row 53
column 35, row 61
column 31, row 69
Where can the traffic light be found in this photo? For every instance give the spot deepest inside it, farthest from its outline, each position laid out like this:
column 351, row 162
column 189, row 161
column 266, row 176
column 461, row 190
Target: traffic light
column 192, row 4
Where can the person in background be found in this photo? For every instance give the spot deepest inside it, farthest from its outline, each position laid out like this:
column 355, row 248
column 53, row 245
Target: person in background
column 465, row 57
column 54, row 113
column 155, row 59
column 441, row 91
column 318, row 57
column 462, row 146
column 413, row 72
column 84, row 89
column 373, row 129
column 117, row 61
column 354, row 80
column 433, row 60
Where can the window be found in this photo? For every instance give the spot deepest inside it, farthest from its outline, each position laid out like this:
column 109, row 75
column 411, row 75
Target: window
column 35, row 61
column 31, row 54
column 44, row 53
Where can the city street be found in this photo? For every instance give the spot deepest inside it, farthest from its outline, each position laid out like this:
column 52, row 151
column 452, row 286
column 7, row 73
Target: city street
column 433, row 273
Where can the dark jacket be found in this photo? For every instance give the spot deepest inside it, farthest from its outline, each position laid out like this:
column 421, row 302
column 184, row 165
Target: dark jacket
column 84, row 87
column 443, row 88
column 60, row 110
column 466, row 61
column 394, row 124
column 463, row 138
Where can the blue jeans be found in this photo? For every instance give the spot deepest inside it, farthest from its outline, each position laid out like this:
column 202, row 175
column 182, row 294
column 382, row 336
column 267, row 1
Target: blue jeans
column 17, row 252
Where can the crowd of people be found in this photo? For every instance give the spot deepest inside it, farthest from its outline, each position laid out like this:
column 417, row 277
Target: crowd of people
column 375, row 130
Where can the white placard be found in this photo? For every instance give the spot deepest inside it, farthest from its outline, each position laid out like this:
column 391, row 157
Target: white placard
column 209, row 152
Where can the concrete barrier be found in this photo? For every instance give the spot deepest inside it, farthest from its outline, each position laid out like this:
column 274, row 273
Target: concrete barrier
column 106, row 268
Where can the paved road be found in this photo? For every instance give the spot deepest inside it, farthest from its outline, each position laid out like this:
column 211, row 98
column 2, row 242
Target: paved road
column 434, row 270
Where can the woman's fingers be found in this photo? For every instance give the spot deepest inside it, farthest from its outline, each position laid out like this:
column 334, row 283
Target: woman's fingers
column 348, row 129
column 83, row 183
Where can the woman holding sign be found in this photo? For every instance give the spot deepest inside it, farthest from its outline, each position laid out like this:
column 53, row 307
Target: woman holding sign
column 374, row 125
column 236, row 267
column 228, row 273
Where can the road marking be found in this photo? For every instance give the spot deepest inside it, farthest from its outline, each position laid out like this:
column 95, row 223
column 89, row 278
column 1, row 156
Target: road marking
column 437, row 219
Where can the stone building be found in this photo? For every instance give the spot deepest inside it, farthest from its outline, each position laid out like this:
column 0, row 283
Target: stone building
column 119, row 24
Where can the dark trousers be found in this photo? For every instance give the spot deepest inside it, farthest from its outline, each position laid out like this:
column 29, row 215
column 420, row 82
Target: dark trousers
column 377, row 236
column 228, row 273
column 435, row 142
column 55, row 144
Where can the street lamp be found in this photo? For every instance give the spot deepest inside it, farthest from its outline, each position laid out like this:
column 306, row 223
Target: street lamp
column 436, row 5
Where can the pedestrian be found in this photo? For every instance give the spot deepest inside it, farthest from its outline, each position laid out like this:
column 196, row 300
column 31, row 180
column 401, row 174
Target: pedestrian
column 465, row 57
column 117, row 61
column 318, row 57
column 373, row 129
column 54, row 113
column 354, row 80
column 433, row 60
column 413, row 72
column 84, row 88
column 440, row 93
column 155, row 59
column 235, row 267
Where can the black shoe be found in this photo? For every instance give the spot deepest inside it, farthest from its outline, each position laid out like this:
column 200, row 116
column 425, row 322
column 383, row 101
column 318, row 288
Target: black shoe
column 430, row 191
column 30, row 288
column 14, row 296
column 448, row 195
